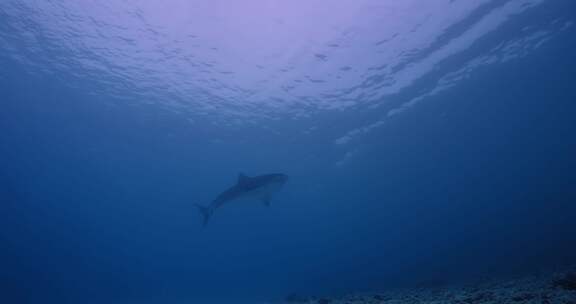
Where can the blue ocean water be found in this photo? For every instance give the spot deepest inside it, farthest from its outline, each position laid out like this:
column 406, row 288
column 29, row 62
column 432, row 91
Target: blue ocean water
column 425, row 141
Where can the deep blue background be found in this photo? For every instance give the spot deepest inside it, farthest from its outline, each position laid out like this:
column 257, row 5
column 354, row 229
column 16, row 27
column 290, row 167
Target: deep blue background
column 96, row 200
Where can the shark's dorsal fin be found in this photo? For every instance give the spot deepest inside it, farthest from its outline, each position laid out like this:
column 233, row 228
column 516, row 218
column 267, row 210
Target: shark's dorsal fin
column 242, row 179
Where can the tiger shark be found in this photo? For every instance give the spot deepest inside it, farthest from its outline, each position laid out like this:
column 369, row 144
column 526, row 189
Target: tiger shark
column 259, row 187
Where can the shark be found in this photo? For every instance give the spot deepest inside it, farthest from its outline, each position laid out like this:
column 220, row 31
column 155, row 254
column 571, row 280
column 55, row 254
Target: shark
column 260, row 187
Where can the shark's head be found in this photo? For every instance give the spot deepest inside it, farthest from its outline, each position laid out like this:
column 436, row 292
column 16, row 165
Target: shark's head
column 279, row 178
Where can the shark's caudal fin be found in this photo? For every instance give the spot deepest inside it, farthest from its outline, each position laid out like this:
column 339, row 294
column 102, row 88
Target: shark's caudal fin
column 206, row 213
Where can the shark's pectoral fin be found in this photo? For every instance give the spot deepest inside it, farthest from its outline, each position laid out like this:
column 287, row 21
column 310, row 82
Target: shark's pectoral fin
column 266, row 200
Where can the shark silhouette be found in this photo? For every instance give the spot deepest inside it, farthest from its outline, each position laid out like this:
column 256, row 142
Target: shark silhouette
column 260, row 187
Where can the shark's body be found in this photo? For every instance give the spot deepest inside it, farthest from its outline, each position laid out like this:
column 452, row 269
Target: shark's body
column 259, row 187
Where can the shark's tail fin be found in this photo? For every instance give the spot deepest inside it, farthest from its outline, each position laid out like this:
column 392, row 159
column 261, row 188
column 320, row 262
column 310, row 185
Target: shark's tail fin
column 206, row 213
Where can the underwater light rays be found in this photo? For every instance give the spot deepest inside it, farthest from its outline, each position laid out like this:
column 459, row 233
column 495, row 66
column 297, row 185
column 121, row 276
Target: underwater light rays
column 260, row 59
